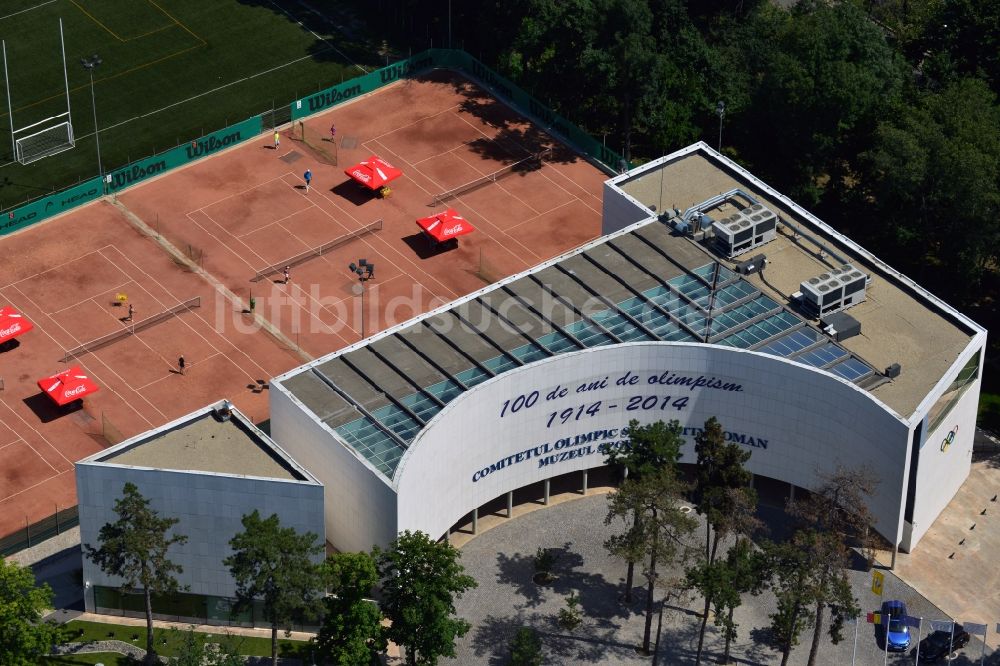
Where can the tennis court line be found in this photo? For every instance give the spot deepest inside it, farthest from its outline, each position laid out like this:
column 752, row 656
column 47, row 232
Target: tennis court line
column 55, row 268
column 29, row 9
column 523, row 147
column 43, row 481
column 88, row 298
column 78, row 341
column 271, row 224
column 426, row 280
column 187, row 365
column 194, row 330
column 498, row 231
column 499, row 184
column 418, row 120
column 17, row 440
column 240, row 193
column 42, row 438
column 312, row 314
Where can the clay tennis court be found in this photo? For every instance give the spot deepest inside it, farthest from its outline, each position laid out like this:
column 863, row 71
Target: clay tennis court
column 204, row 232
column 245, row 210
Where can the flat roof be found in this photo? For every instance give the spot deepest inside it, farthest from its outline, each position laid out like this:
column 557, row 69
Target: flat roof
column 204, row 442
column 645, row 283
column 900, row 322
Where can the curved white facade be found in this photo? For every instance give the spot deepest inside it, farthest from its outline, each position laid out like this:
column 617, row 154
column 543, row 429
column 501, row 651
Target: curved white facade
column 796, row 420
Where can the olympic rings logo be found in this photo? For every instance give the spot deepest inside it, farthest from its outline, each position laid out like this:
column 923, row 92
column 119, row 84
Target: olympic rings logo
column 947, row 441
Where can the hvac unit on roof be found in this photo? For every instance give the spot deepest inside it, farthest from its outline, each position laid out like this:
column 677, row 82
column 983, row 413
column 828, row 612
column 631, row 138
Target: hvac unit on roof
column 831, row 292
column 745, row 230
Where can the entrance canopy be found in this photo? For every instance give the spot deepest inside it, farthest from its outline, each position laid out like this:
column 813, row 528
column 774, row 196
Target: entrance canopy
column 373, row 172
column 445, row 226
column 12, row 324
column 67, row 386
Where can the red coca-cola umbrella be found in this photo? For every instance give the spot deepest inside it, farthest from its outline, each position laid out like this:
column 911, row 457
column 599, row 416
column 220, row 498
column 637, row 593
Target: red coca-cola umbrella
column 12, row 324
column 445, row 226
column 67, row 386
column 373, row 172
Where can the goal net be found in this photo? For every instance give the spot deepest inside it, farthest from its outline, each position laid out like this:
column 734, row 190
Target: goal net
column 40, row 143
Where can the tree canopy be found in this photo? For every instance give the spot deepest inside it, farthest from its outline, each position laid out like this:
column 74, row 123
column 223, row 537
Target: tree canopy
column 24, row 637
column 134, row 548
column 277, row 566
column 420, row 581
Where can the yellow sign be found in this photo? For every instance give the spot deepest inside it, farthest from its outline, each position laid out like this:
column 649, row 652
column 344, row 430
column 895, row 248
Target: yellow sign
column 877, row 579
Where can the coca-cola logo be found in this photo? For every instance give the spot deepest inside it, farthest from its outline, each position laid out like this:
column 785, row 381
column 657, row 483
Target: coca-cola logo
column 76, row 390
column 10, row 330
column 451, row 231
column 361, row 175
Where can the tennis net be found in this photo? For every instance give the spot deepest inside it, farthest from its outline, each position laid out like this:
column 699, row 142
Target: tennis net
column 132, row 329
column 529, row 163
column 302, row 257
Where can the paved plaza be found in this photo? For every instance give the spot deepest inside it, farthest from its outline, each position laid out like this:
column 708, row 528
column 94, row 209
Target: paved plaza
column 501, row 560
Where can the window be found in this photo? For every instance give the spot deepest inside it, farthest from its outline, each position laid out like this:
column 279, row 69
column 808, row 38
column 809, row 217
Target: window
column 966, row 376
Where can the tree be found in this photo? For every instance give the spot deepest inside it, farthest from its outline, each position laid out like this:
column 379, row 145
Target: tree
column 651, row 447
column 727, row 580
column 570, row 617
column 526, row 648
column 24, row 637
column 420, row 581
column 820, row 77
column 804, row 582
column 276, row 565
column 351, row 632
column 658, row 529
column 932, row 179
column 723, row 495
column 134, row 548
column 834, row 516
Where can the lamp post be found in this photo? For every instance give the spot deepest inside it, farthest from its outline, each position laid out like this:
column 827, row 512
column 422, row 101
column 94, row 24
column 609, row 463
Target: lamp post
column 365, row 271
column 89, row 64
column 720, row 110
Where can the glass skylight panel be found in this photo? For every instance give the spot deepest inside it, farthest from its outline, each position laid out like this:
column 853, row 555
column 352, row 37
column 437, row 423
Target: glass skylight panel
column 852, row 369
column 557, row 343
column 529, row 353
column 472, row 376
column 588, row 334
column 792, row 343
column 500, row 364
column 822, row 356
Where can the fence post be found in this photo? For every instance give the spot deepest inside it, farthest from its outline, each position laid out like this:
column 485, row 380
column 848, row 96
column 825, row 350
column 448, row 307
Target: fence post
column 57, row 519
column 27, row 532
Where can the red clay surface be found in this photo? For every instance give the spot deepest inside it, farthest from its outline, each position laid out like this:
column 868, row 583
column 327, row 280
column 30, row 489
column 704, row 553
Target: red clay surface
column 239, row 212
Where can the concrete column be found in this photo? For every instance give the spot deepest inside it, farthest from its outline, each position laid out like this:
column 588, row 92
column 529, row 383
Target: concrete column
column 751, row 480
column 510, row 504
column 475, row 520
column 791, row 492
column 546, row 500
column 584, row 492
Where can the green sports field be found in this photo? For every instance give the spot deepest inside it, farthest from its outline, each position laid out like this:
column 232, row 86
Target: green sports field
column 172, row 70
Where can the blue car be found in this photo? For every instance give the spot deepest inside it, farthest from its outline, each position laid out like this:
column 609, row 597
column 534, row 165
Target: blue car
column 897, row 633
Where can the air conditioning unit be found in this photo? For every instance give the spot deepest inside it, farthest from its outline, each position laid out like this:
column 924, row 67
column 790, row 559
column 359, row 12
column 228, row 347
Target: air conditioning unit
column 743, row 231
column 834, row 291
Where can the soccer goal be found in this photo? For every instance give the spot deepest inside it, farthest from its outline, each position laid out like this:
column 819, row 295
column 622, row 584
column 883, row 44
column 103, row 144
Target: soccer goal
column 55, row 136
column 45, row 137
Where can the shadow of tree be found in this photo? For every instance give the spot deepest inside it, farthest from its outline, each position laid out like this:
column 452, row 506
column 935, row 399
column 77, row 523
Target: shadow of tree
column 516, row 138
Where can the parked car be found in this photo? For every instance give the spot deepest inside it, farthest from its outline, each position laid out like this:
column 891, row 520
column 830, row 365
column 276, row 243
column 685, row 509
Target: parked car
column 897, row 633
column 940, row 644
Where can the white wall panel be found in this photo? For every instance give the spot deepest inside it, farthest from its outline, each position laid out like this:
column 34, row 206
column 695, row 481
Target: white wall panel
column 360, row 506
column 795, row 420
